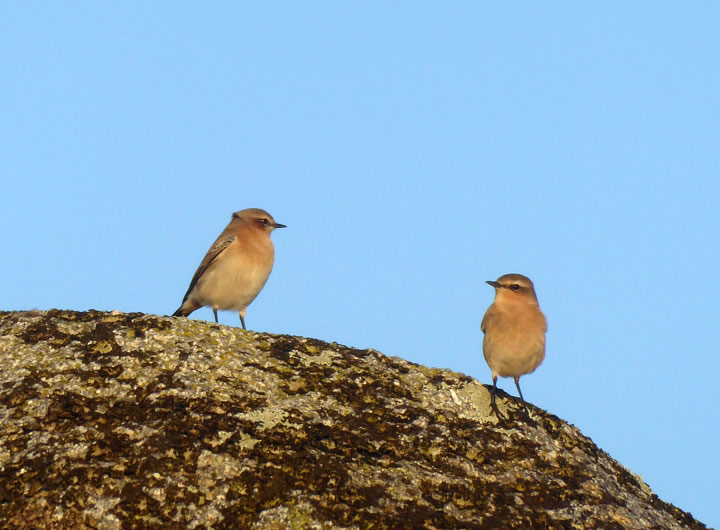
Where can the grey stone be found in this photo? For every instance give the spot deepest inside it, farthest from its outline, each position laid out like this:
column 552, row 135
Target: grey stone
column 113, row 420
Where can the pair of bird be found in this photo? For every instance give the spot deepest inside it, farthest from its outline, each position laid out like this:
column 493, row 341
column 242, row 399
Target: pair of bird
column 235, row 269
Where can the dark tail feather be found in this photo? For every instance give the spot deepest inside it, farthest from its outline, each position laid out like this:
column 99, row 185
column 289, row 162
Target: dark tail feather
column 187, row 307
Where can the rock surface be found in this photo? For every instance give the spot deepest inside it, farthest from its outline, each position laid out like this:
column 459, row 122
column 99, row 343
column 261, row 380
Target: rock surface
column 113, row 420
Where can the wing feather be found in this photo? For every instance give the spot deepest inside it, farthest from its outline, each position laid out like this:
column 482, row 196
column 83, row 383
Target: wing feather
column 489, row 315
column 221, row 245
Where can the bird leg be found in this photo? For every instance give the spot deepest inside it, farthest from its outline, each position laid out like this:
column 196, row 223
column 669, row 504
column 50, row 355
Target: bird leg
column 494, row 390
column 215, row 313
column 242, row 321
column 517, row 384
column 522, row 399
column 493, row 405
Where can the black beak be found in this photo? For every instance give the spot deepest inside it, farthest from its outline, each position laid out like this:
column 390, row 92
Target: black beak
column 278, row 225
column 494, row 284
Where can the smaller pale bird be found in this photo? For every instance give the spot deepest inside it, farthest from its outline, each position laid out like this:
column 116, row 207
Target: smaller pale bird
column 514, row 328
column 236, row 267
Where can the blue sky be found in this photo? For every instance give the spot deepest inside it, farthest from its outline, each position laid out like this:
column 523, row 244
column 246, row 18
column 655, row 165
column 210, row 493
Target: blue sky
column 414, row 150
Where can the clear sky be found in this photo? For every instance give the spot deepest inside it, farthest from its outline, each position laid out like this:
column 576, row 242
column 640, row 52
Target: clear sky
column 414, row 150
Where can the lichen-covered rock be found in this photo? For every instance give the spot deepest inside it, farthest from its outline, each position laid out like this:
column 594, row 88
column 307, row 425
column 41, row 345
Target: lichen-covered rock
column 112, row 420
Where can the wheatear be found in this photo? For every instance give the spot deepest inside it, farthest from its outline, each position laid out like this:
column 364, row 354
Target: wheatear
column 236, row 267
column 514, row 327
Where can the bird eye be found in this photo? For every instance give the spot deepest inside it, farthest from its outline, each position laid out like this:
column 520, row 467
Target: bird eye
column 265, row 222
column 515, row 287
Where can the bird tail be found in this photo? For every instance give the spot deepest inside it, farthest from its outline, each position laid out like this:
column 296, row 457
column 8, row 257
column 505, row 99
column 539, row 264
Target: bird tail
column 187, row 307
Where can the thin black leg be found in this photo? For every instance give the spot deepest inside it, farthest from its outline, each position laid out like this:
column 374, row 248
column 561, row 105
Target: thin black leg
column 494, row 390
column 215, row 313
column 517, row 384
column 522, row 399
column 493, row 405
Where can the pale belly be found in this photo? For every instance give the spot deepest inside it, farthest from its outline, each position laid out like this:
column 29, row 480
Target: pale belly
column 230, row 287
column 514, row 354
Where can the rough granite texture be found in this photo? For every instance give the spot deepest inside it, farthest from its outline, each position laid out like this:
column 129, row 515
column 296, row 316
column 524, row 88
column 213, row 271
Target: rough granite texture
column 113, row 420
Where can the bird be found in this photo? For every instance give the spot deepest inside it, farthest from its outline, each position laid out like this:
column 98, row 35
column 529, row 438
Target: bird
column 514, row 328
column 235, row 269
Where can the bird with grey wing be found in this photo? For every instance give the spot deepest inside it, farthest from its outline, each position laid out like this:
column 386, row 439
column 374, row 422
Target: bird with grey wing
column 235, row 269
column 514, row 328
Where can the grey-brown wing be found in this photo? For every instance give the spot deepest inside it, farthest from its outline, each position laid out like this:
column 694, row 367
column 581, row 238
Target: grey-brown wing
column 489, row 315
column 221, row 244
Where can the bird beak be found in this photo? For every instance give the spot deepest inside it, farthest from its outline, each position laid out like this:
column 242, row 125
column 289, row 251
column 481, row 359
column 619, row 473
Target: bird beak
column 494, row 284
column 278, row 225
